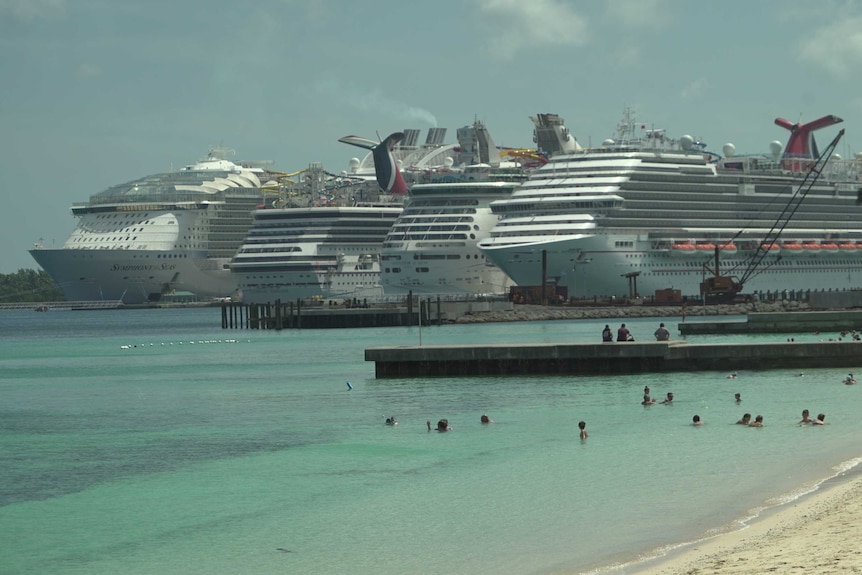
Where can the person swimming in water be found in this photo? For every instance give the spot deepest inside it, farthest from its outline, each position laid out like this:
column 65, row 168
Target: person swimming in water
column 746, row 419
column 486, row 419
column 805, row 418
column 442, row 425
column 582, row 425
column 391, row 420
column 696, row 420
column 758, row 422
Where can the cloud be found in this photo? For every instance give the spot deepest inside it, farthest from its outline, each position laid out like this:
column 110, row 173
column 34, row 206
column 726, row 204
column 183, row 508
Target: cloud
column 638, row 14
column 371, row 101
column 32, row 9
column 835, row 47
column 695, row 89
column 520, row 25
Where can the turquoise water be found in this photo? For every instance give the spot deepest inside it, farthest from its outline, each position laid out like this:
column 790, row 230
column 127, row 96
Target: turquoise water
column 189, row 453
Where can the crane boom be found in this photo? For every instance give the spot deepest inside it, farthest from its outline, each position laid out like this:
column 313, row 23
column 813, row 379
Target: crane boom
column 718, row 286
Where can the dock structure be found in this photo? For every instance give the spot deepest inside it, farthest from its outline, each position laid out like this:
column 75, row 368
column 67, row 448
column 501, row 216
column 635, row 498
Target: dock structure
column 605, row 358
column 779, row 322
column 299, row 315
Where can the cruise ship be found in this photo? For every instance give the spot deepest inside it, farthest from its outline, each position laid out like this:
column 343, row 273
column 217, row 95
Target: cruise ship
column 645, row 213
column 164, row 233
column 323, row 246
column 432, row 248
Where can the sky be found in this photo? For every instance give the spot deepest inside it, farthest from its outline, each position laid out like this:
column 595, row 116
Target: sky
column 99, row 92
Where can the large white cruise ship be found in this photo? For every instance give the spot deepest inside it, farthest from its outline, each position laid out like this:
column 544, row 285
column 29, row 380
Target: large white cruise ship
column 432, row 248
column 644, row 213
column 159, row 234
column 324, row 243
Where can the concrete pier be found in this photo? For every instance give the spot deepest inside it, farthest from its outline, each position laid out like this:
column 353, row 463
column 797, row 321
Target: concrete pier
column 606, row 358
column 781, row 322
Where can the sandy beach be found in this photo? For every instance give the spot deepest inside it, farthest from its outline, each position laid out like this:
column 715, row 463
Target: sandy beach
column 819, row 533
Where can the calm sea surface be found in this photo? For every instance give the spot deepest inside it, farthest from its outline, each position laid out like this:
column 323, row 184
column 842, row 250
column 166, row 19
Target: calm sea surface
column 155, row 442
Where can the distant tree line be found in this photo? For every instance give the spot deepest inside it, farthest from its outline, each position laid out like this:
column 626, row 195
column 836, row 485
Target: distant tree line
column 29, row 285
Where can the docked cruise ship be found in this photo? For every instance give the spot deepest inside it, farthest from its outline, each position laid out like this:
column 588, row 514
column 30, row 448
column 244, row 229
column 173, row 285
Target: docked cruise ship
column 164, row 233
column 323, row 246
column 644, row 213
column 432, row 248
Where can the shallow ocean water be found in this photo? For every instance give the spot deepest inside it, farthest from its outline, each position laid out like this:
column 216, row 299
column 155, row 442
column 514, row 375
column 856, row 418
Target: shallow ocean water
column 202, row 450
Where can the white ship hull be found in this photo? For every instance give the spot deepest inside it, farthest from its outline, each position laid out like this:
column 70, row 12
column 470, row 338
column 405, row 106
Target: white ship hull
column 594, row 266
column 134, row 276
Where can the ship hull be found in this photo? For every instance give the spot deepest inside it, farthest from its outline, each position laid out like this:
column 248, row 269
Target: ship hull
column 134, row 276
column 593, row 267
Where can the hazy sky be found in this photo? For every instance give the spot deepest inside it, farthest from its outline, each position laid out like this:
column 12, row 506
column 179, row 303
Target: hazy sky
column 99, row 92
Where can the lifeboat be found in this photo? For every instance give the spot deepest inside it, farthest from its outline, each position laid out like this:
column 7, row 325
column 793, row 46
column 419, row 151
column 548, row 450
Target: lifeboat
column 811, row 247
column 848, row 248
column 829, row 247
column 728, row 249
column 683, row 249
column 705, row 247
column 772, row 249
column 791, row 247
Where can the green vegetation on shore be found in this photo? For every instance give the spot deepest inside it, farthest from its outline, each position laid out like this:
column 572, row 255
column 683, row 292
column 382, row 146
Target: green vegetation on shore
column 29, row 286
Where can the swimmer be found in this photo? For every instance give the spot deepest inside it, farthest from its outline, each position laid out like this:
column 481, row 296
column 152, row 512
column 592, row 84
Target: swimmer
column 737, row 397
column 668, row 399
column 746, row 419
column 391, row 420
column 583, row 427
column 696, row 420
column 758, row 422
column 732, row 375
column 805, row 418
column 849, row 380
column 819, row 420
column 647, row 400
column 442, row 425
column 486, row 419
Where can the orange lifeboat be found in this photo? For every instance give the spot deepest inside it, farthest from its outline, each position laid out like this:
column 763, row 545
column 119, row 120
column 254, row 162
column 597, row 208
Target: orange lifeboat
column 848, row 248
column 811, row 246
column 727, row 249
column 791, row 247
column 829, row 247
column 705, row 247
column 773, row 248
column 683, row 249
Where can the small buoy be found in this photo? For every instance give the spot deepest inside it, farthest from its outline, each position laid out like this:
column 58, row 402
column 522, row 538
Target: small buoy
column 349, row 387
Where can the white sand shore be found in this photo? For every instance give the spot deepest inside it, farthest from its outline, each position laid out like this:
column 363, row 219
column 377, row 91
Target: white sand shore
column 818, row 534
